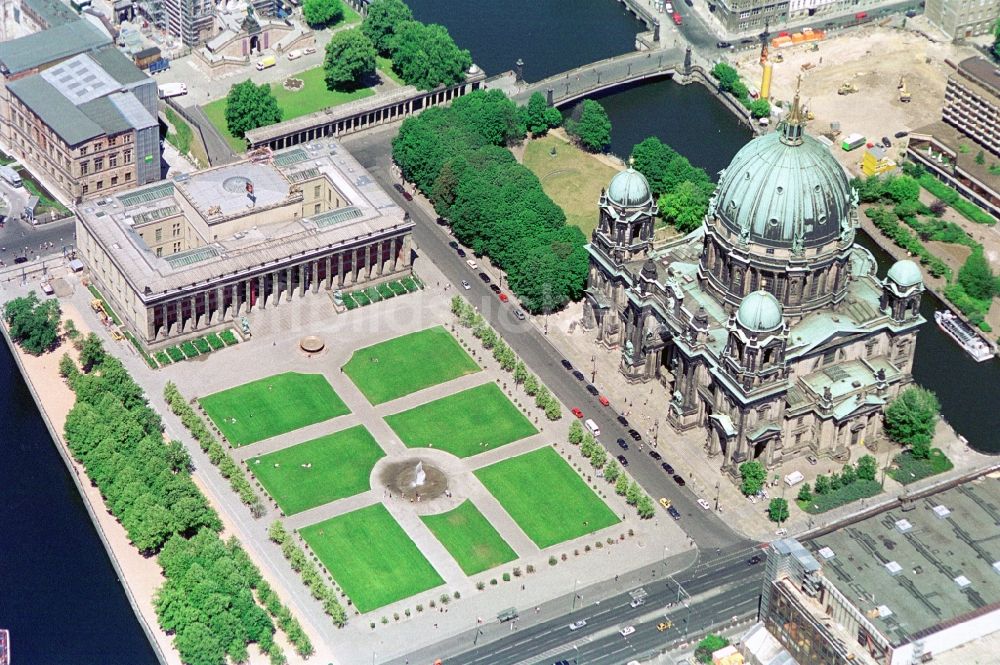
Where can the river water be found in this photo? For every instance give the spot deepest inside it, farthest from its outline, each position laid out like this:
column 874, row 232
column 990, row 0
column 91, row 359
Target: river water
column 554, row 35
column 59, row 595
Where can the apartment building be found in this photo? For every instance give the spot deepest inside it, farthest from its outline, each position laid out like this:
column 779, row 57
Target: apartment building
column 963, row 18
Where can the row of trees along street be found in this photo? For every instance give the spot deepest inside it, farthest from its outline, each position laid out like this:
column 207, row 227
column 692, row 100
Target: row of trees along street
column 214, row 601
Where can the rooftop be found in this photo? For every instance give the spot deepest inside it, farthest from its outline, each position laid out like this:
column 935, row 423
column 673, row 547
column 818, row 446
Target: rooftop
column 366, row 210
column 53, row 12
column 932, row 555
column 982, row 71
column 951, row 138
column 57, row 43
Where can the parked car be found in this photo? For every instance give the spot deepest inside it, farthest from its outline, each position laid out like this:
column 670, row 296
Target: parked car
column 472, row 264
column 495, row 289
column 623, row 420
column 593, row 390
column 622, row 460
column 886, row 142
column 636, row 602
column 519, row 315
column 309, row 50
column 704, row 504
column 900, row 135
column 754, row 560
column 723, row 45
column 622, row 444
column 503, row 297
column 627, row 630
column 676, row 514
column 667, row 468
column 453, row 244
column 486, row 278
column 399, row 188
column 578, row 375
column 604, row 401
column 911, row 13
column 567, row 364
column 812, row 459
column 460, row 252
column 748, row 40
column 577, row 412
column 664, row 625
column 655, row 455
column 407, row 195
column 466, row 285
column 679, row 480
column 441, row 221
column 665, row 502
column 677, row 18
column 577, row 625
column 635, row 435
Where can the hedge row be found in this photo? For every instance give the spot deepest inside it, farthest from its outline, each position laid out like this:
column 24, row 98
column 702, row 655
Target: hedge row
column 310, row 574
column 229, row 469
column 888, row 223
column 968, row 210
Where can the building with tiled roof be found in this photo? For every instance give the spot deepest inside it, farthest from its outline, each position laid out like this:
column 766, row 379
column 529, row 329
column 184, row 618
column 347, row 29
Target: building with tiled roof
column 768, row 324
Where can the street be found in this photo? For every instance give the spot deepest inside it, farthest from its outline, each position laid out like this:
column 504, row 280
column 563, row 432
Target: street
column 716, row 589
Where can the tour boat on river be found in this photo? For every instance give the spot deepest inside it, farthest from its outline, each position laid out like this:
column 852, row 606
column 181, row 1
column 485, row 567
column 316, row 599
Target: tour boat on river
column 4, row 646
column 966, row 337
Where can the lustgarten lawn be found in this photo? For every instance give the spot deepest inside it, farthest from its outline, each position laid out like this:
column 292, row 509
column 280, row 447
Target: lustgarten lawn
column 274, row 405
column 463, row 424
column 319, row 471
column 470, row 538
column 546, row 497
column 371, row 557
column 404, row 365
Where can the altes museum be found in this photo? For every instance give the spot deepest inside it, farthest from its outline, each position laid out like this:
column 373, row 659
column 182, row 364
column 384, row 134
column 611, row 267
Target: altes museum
column 768, row 325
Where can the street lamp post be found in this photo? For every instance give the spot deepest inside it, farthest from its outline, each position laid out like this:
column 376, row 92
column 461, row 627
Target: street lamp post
column 573, row 606
column 716, row 495
column 593, row 367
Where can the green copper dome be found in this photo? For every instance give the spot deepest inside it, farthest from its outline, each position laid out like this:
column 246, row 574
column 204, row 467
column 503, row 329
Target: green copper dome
column 629, row 189
column 760, row 312
column 785, row 189
column 905, row 273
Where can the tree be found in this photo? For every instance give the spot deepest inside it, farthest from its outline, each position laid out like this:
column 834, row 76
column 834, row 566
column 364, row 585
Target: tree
column 320, row 13
column 848, row 474
column 538, row 116
column 805, row 493
column 612, row 472
column 552, row 410
column 593, row 128
column 520, row 372
column 835, row 482
column 67, row 368
column 976, row 277
column 598, row 457
column 531, row 384
column 995, row 50
column 491, row 114
column 777, row 510
column 249, row 106
column 822, row 484
column 753, row 476
column 633, row 493
column 33, row 324
column 588, row 444
column 712, row 643
column 457, row 304
column 645, row 507
column 350, row 58
column 69, row 328
column 381, row 21
column 727, row 76
column 867, row 468
column 542, row 397
column 91, row 352
column 575, row 433
column 902, row 188
column 621, row 485
column 980, row 158
column 426, row 56
column 760, row 108
column 911, row 419
column 685, row 207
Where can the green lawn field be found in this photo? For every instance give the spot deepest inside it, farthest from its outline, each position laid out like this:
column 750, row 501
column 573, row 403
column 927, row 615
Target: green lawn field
column 406, row 364
column 371, row 557
column 313, row 96
column 464, row 424
column 274, row 405
column 546, row 497
column 340, row 465
column 470, row 538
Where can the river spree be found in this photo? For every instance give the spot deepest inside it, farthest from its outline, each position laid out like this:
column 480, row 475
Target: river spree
column 59, row 595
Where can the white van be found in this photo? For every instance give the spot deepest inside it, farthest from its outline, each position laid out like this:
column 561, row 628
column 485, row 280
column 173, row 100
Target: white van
column 592, row 426
column 472, row 264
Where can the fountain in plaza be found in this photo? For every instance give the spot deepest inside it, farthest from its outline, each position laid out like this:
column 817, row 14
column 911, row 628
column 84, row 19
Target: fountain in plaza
column 414, row 479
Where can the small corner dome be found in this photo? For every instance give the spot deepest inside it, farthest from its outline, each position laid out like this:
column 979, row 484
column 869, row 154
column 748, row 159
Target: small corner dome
column 905, row 273
column 760, row 312
column 629, row 189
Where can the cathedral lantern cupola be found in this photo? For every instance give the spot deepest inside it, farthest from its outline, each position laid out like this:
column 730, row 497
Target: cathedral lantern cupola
column 627, row 213
column 755, row 349
column 901, row 291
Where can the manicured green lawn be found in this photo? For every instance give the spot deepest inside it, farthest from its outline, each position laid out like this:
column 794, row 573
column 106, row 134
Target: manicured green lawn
column 546, row 497
column 313, row 96
column 463, row 424
column 274, row 405
column 371, row 557
column 470, row 538
column 406, row 364
column 340, row 465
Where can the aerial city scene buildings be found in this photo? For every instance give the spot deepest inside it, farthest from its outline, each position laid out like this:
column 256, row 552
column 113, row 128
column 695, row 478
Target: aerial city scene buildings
column 422, row 332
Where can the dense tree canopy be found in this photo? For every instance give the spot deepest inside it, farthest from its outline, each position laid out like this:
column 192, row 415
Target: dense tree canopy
column 319, row 13
column 593, row 128
column 350, row 58
column 426, row 56
column 538, row 117
column 249, row 106
column 976, row 277
column 777, row 510
column 683, row 190
column 382, row 20
column 712, row 643
column 760, row 108
column 495, row 205
column 911, row 418
column 752, row 475
column 33, row 324
column 685, row 206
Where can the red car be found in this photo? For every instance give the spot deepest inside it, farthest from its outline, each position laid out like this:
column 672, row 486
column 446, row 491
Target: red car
column 603, row 400
column 676, row 17
column 577, row 412
column 503, row 297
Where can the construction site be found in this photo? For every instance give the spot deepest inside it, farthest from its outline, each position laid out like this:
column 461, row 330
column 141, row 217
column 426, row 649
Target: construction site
column 872, row 82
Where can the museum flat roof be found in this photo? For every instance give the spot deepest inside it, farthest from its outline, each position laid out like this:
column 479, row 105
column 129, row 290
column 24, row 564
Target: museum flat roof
column 945, row 565
column 57, row 43
column 368, row 210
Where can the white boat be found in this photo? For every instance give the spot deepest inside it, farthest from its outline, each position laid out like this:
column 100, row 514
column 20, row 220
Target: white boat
column 4, row 646
column 966, row 337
